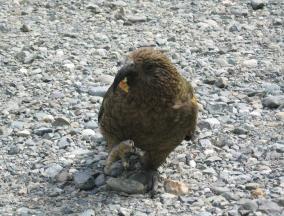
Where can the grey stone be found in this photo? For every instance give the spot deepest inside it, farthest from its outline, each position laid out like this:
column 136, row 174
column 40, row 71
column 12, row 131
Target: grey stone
column 98, row 90
column 187, row 199
column 273, row 101
column 246, row 204
column 60, row 121
column 125, row 185
column 269, row 207
column 100, row 180
column 240, row 131
column 52, row 170
column 14, row 150
column 219, row 190
column 136, row 18
column 64, row 142
column 94, row 8
column 91, row 125
column 222, row 82
column 252, row 185
column 25, row 28
column 84, row 180
column 88, row 212
column 43, row 130
column 257, row 4
column 210, row 123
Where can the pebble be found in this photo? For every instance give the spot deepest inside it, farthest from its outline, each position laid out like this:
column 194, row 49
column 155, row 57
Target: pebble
column 175, row 187
column 246, row 204
column 52, row 170
column 273, row 101
column 25, row 28
column 252, row 185
column 84, row 180
column 210, row 123
column 252, row 63
column 257, row 4
column 24, row 133
column 88, row 212
column 125, row 185
column 280, row 116
column 269, row 207
column 88, row 133
column 43, row 130
column 222, row 82
column 136, row 18
column 98, row 90
column 100, row 180
column 60, row 121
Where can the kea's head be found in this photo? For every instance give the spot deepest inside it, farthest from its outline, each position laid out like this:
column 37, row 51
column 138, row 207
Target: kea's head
column 146, row 68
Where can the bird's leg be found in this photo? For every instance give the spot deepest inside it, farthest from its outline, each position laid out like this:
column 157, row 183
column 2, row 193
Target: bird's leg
column 149, row 176
column 125, row 163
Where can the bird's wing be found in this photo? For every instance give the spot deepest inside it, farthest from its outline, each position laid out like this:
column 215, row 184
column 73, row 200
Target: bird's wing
column 106, row 96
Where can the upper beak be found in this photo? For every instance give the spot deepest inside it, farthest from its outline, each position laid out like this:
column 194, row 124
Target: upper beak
column 122, row 73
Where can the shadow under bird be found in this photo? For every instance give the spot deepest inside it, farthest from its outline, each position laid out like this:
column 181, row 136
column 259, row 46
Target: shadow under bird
column 150, row 103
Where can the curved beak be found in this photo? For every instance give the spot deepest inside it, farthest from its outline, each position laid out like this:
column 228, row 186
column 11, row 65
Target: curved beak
column 122, row 74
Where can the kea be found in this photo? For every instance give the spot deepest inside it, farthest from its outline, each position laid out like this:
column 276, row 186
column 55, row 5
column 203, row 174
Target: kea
column 150, row 103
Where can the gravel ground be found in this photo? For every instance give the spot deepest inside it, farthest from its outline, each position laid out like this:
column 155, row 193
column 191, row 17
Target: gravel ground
column 55, row 55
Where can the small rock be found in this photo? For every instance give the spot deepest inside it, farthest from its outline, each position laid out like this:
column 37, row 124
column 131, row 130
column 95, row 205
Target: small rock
column 60, row 121
column 125, row 185
column 105, row 79
column 91, row 125
column 25, row 28
column 175, row 187
column 136, row 18
column 25, row 57
column 1, row 131
column 219, row 190
column 88, row 134
column 257, row 4
column 240, row 131
column 94, row 8
column 257, row 193
column 52, row 170
column 280, row 201
column 43, row 130
column 252, row 186
column 63, row 142
column 98, row 90
column 188, row 199
column 84, row 180
column 280, row 116
column 222, row 82
column 269, row 207
column 48, row 118
column 100, row 180
column 210, row 123
column 252, row 63
column 63, row 176
column 88, row 212
column 115, row 169
column 14, row 150
column 247, row 204
column 273, row 101
column 24, row 133
column 23, row 211
column 23, row 191
column 230, row 196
